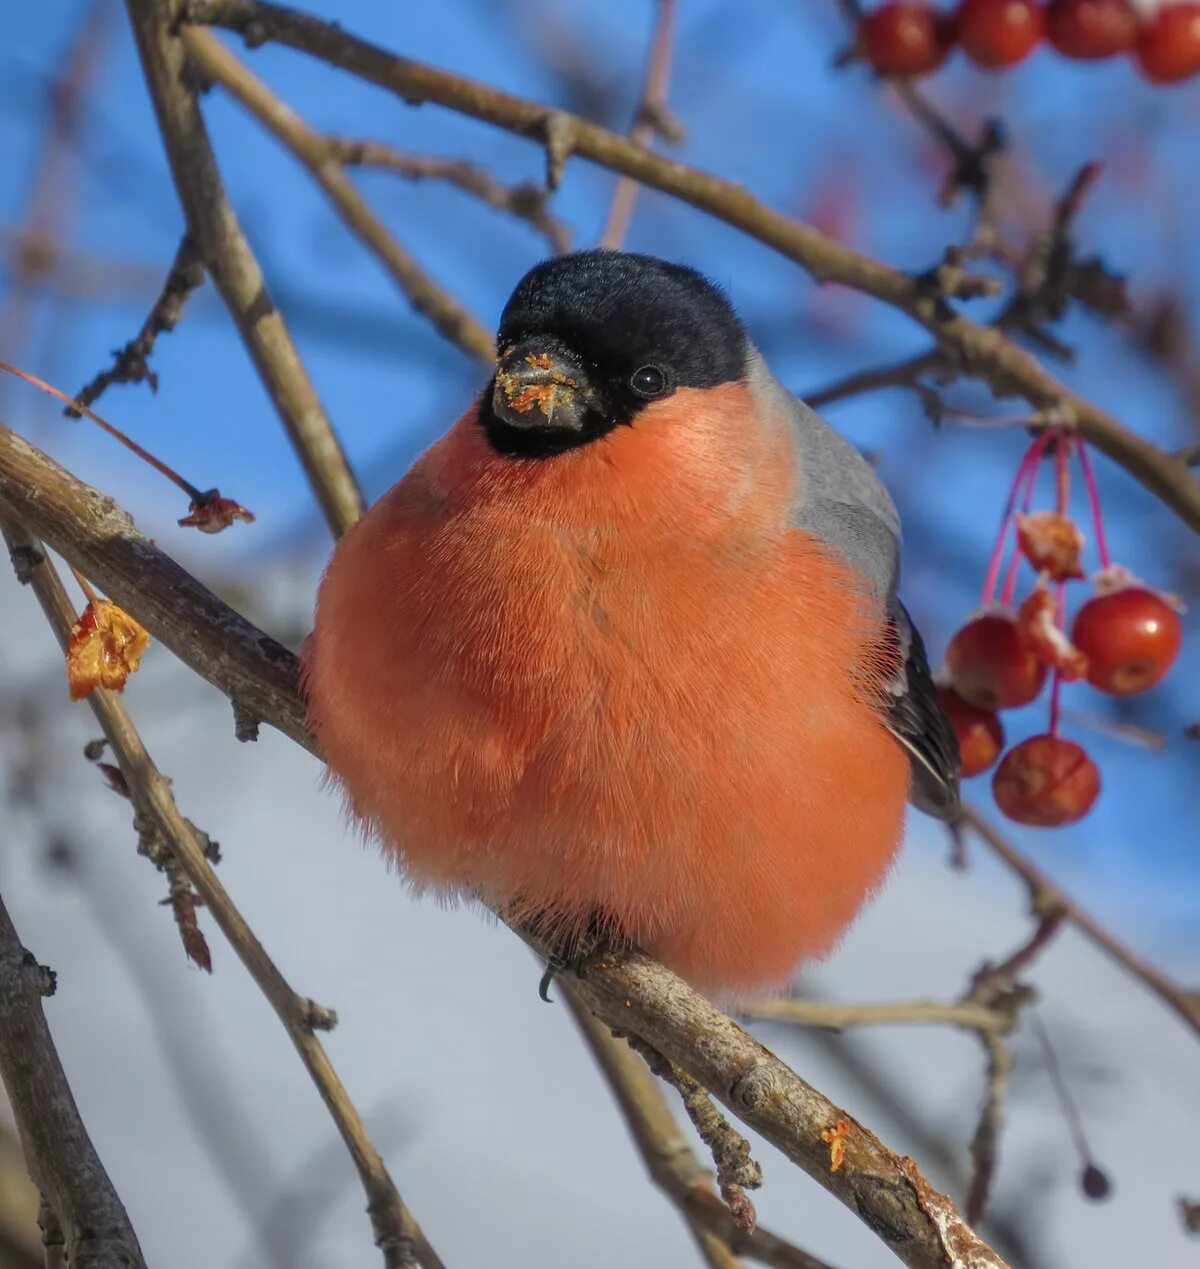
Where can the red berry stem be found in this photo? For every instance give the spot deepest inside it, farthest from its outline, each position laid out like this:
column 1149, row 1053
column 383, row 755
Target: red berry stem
column 196, row 495
column 1056, row 684
column 1062, row 473
column 1093, row 493
column 1022, row 484
column 1014, row 564
column 1094, row 1181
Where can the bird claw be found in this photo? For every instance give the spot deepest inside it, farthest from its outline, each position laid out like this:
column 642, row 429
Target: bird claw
column 554, row 965
column 575, row 953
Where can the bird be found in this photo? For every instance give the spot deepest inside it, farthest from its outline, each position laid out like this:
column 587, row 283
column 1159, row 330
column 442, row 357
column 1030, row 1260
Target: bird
column 622, row 655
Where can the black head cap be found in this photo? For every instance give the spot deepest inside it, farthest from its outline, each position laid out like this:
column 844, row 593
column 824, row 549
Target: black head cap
column 589, row 339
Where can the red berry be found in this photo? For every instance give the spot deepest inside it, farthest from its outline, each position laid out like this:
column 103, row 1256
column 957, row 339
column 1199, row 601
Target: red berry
column 992, row 666
column 1131, row 637
column 904, row 38
column 1169, row 50
column 980, row 732
column 1090, row 29
column 1046, row 781
column 998, row 33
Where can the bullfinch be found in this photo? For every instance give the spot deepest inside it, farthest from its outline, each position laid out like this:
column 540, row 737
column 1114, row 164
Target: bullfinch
column 623, row 651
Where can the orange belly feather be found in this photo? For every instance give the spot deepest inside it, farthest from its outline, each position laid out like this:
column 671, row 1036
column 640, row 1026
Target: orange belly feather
column 616, row 681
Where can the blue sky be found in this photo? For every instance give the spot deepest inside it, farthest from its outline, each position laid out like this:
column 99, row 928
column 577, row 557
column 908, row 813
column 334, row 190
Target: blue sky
column 761, row 104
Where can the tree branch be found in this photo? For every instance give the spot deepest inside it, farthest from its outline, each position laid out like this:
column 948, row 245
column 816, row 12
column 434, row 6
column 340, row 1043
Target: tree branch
column 901, row 374
column 1045, row 896
column 233, row 268
column 829, row 1016
column 977, row 349
column 527, row 201
column 652, row 119
column 239, row 660
column 320, row 156
column 85, row 1211
column 630, row 993
column 132, row 363
column 396, row 1232
column 672, row 1163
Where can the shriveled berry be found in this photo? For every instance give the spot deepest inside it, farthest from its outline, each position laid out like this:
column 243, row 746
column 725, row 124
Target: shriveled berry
column 904, row 37
column 1092, row 29
column 1037, row 620
column 1046, row 782
column 1130, row 637
column 992, row 666
column 980, row 732
column 997, row 33
column 1094, row 1182
column 1052, row 543
column 1169, row 48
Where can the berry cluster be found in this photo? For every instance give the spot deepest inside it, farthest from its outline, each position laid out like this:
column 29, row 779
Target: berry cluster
column 1123, row 640
column 910, row 37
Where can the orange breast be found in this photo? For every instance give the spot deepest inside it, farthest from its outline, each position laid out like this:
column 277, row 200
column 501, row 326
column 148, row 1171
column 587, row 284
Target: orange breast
column 616, row 681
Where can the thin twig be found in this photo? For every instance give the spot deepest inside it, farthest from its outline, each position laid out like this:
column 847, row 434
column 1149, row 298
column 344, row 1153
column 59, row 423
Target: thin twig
column 36, row 242
column 670, row 1160
column 231, row 264
column 1095, row 1182
column 132, row 363
column 631, row 992
column 994, row 986
column 987, row 1133
column 829, row 1016
column 900, row 374
column 320, row 156
column 651, row 120
column 526, row 201
column 396, row 1232
column 978, row 349
column 737, row 1171
column 79, row 408
column 86, row 1212
column 1044, row 892
column 187, row 617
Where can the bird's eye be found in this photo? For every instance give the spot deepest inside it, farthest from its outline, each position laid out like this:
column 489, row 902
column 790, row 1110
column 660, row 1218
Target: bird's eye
column 648, row 381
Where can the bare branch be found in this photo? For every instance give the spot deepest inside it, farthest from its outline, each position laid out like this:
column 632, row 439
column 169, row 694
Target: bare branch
column 131, row 364
column 672, row 1163
column 238, row 659
column 837, row 1017
column 977, row 349
column 651, row 120
column 995, row 986
column 1045, row 894
column 631, row 993
column 233, row 268
column 396, row 1232
column 526, row 201
column 737, row 1171
column 319, row 156
column 901, row 374
column 85, row 1210
column 987, row 1133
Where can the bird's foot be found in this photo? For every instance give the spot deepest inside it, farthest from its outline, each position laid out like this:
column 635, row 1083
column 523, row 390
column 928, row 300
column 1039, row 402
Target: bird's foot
column 578, row 951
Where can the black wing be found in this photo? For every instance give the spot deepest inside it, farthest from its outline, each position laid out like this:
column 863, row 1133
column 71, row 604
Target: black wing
column 916, row 720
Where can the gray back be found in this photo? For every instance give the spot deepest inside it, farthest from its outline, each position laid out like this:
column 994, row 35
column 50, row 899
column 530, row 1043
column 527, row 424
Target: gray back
column 839, row 499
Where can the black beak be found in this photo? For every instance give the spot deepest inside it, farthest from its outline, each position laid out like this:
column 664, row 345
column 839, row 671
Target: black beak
column 541, row 385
